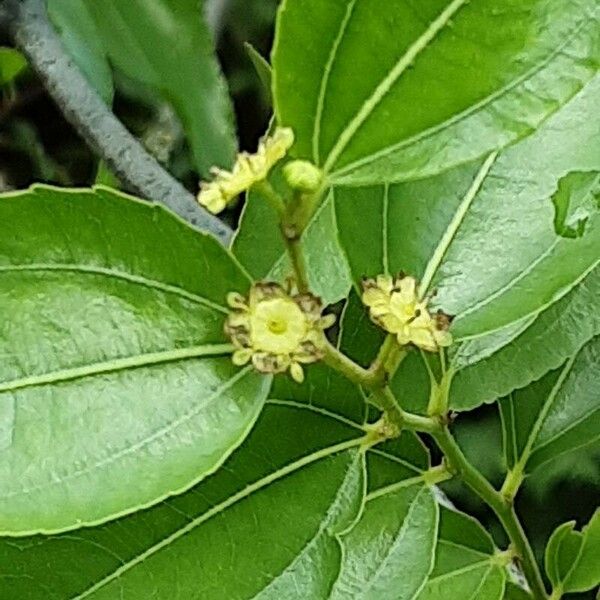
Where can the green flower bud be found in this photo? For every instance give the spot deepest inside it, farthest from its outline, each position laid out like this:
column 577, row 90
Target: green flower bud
column 303, row 176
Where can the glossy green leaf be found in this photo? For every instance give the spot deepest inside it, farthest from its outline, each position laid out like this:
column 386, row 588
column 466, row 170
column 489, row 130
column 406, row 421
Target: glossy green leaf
column 12, row 63
column 115, row 387
column 551, row 554
column 483, row 235
column 389, row 553
column 266, row 525
column 466, row 565
column 493, row 366
column 554, row 415
column 77, row 29
column 573, row 558
column 585, row 573
column 166, row 45
column 577, row 198
column 267, row 519
column 259, row 247
column 413, row 88
column 262, row 68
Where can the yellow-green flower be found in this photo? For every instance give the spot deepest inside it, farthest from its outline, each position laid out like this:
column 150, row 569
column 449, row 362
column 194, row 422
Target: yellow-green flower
column 276, row 330
column 395, row 306
column 247, row 170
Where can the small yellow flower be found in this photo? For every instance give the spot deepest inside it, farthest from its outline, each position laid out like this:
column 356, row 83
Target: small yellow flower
column 247, row 170
column 395, row 306
column 276, row 330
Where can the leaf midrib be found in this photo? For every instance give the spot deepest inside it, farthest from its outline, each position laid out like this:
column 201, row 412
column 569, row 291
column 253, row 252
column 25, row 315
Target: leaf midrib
column 385, row 85
column 360, row 163
column 115, row 365
column 540, row 309
column 466, row 569
column 541, row 417
column 111, row 273
column 453, row 227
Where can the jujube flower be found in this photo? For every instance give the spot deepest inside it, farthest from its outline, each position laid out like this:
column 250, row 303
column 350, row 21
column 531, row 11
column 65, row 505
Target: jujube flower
column 394, row 305
column 276, row 330
column 248, row 169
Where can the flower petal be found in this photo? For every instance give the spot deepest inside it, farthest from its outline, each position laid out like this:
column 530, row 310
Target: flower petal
column 297, row 372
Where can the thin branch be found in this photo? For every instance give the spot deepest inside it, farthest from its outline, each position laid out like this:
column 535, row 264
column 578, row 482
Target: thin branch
column 503, row 510
column 28, row 23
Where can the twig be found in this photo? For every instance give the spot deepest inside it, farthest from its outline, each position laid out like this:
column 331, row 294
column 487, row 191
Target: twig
column 503, row 510
column 28, row 23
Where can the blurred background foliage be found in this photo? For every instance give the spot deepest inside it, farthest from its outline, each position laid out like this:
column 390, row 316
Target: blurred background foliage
column 160, row 76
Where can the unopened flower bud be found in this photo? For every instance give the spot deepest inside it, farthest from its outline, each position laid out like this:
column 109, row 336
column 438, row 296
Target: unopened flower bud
column 303, row 176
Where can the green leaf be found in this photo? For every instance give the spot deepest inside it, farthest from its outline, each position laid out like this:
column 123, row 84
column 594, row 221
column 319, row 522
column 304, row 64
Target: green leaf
column 493, row 366
column 360, row 337
column 572, row 558
column 491, row 276
column 585, row 574
column 262, row 68
column 259, row 247
column 551, row 554
column 415, row 88
column 396, row 564
column 514, row 592
column 265, row 525
column 466, row 565
column 115, row 387
column 166, row 45
column 12, row 64
column 577, row 198
column 75, row 25
column 554, row 415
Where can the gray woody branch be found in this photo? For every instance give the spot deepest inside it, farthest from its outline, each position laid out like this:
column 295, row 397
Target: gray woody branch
column 28, row 23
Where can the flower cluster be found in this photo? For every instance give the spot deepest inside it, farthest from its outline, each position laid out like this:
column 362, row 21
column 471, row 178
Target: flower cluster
column 394, row 305
column 276, row 330
column 248, row 170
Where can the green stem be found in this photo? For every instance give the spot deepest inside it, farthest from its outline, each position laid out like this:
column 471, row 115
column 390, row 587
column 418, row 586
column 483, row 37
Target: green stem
column 513, row 481
column 296, row 255
column 266, row 190
column 355, row 373
column 440, row 394
column 557, row 593
column 503, row 509
column 389, row 358
column 291, row 234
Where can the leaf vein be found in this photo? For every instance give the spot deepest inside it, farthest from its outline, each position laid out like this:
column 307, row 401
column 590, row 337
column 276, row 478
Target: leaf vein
column 129, row 277
column 217, row 509
column 391, row 78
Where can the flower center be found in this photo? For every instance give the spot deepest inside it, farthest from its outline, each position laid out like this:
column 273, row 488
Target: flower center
column 278, row 326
